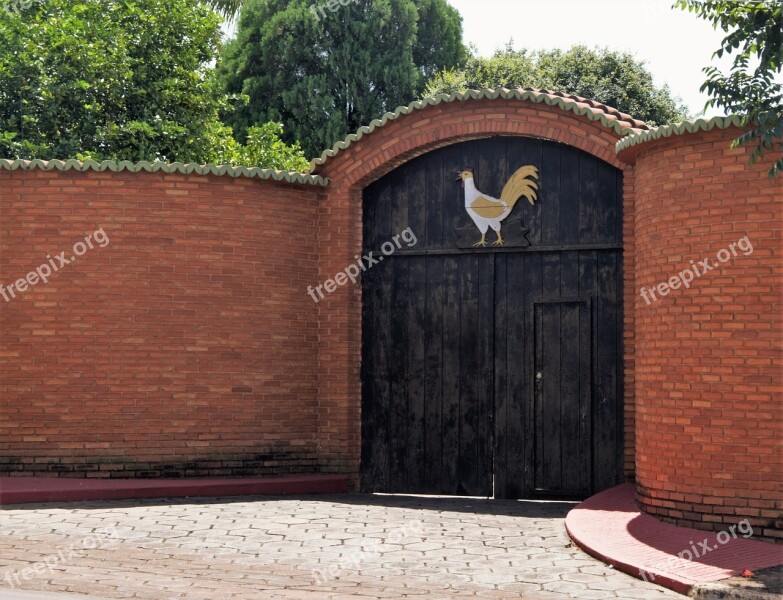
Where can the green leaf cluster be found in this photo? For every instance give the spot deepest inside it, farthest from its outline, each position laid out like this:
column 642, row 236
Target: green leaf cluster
column 118, row 79
column 324, row 69
column 753, row 88
column 614, row 78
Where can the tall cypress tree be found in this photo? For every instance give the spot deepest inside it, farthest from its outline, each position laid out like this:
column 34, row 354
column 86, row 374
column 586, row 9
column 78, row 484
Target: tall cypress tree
column 325, row 68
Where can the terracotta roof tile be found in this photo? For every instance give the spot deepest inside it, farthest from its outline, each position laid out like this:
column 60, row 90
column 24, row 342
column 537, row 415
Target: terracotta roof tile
column 609, row 117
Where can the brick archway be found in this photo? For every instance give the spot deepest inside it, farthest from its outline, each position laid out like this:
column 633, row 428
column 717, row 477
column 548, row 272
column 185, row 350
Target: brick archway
column 587, row 126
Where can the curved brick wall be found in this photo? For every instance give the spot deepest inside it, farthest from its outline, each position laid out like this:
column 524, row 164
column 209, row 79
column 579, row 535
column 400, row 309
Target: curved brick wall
column 186, row 346
column 708, row 358
column 189, row 346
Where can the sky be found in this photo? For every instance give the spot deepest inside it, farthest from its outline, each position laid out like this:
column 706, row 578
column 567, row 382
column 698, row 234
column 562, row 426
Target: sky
column 674, row 44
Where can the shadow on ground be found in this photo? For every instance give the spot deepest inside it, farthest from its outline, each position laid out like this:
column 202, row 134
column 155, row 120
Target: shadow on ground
column 481, row 506
column 764, row 585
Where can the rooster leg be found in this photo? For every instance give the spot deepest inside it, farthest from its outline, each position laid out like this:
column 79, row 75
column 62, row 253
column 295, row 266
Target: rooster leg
column 482, row 242
column 499, row 241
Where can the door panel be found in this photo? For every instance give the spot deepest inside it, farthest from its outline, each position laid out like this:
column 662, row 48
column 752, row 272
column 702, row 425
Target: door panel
column 563, row 397
column 428, row 426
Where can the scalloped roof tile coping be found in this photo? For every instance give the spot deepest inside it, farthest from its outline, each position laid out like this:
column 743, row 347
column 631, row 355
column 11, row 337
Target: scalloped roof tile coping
column 681, row 128
column 152, row 167
column 612, row 118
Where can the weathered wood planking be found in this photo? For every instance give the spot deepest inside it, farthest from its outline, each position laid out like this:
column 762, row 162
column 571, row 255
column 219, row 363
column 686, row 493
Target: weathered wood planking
column 453, row 338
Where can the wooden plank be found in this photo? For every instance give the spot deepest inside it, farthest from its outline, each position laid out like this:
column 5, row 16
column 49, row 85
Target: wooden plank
column 544, row 220
column 512, row 373
column 468, row 375
column 485, row 373
column 569, row 196
column 503, row 466
column 534, row 283
column 586, row 393
column 370, row 314
column 606, row 433
column 609, row 227
column 530, row 151
column 587, row 289
column 573, row 448
column 415, row 190
column 416, row 375
column 418, row 203
column 589, row 209
column 550, row 275
column 455, row 158
column 492, row 168
column 548, row 417
column 377, row 286
column 569, row 399
column 433, row 200
column 433, row 334
column 400, row 297
column 452, row 363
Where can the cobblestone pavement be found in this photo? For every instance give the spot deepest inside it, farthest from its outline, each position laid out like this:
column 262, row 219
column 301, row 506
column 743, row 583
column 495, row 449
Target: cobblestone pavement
column 313, row 547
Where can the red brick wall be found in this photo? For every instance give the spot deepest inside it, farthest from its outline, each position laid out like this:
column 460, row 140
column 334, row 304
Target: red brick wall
column 709, row 383
column 340, row 229
column 629, row 323
column 186, row 346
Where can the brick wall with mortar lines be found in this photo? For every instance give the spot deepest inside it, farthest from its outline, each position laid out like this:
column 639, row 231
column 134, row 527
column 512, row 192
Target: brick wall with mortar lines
column 340, row 227
column 186, row 346
column 709, row 384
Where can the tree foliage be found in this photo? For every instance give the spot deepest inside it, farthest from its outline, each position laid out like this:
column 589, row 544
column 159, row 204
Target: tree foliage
column 613, row 78
column 755, row 33
column 438, row 38
column 324, row 73
column 228, row 8
column 116, row 79
column 265, row 147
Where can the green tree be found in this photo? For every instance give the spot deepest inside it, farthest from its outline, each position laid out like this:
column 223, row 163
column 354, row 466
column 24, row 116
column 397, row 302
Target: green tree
column 264, row 147
column 613, row 78
column 439, row 38
column 113, row 79
column 323, row 72
column 755, row 32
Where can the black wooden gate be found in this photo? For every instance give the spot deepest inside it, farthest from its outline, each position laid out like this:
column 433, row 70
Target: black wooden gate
column 497, row 370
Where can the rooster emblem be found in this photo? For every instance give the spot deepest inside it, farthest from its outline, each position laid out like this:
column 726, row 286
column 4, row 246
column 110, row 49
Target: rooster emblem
column 487, row 211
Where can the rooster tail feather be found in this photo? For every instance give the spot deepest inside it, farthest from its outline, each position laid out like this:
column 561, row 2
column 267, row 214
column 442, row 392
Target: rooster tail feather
column 521, row 184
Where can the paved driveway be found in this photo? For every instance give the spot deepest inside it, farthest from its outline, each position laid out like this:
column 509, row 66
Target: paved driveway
column 315, row 547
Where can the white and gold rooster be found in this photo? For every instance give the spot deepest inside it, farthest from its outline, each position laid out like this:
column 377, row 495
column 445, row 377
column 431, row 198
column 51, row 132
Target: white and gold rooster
column 487, row 211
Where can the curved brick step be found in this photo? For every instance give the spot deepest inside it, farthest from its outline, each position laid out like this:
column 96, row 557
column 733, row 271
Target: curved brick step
column 610, row 527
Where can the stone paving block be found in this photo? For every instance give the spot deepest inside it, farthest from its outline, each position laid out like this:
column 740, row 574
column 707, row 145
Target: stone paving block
column 376, row 546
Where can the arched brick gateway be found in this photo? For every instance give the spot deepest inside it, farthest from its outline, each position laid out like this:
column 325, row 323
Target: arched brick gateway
column 411, row 132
